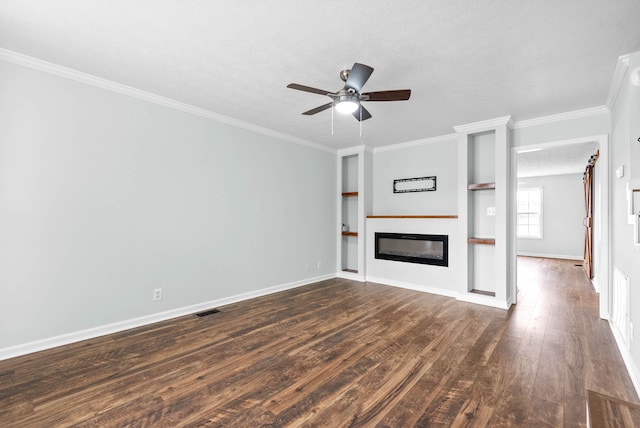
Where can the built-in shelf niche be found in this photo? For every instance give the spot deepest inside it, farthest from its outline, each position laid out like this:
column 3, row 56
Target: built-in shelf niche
column 481, row 198
column 354, row 190
column 349, row 213
column 484, row 201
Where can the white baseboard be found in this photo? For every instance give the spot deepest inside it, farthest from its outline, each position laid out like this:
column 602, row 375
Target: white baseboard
column 464, row 297
column 632, row 369
column 77, row 336
column 479, row 299
column 551, row 256
column 350, row 275
column 411, row 286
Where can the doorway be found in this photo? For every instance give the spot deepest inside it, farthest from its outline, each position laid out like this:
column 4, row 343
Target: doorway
column 559, row 152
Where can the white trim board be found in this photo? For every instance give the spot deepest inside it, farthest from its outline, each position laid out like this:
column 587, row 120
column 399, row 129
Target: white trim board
column 616, row 81
column 560, row 117
column 463, row 297
column 351, row 276
column 579, row 140
column 483, row 126
column 479, row 299
column 77, row 336
column 353, row 150
column 89, row 79
column 411, row 286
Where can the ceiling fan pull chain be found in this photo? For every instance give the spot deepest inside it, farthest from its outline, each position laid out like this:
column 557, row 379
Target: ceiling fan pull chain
column 360, row 121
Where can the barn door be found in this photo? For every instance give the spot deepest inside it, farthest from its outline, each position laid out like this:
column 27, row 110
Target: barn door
column 588, row 215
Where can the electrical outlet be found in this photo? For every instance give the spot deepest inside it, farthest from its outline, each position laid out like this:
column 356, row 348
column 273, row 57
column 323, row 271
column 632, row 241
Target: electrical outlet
column 157, row 294
column 319, row 264
column 491, row 211
column 306, row 267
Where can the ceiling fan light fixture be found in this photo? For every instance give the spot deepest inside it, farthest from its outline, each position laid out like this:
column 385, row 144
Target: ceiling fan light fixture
column 346, row 104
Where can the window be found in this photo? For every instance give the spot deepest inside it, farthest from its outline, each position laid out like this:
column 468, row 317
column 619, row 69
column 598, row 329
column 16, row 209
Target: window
column 530, row 213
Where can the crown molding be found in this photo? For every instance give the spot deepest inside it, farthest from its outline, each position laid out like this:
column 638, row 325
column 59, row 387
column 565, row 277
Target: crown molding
column 416, row 143
column 347, row 151
column 484, row 125
column 576, row 114
column 89, row 79
column 616, row 81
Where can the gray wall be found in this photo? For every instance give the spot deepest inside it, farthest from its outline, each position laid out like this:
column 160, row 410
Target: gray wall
column 437, row 158
column 104, row 197
column 625, row 255
column 563, row 212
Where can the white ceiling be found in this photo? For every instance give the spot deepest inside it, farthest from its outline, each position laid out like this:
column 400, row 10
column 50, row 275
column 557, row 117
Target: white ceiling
column 465, row 61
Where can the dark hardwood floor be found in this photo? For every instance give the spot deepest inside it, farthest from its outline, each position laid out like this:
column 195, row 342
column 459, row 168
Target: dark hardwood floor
column 337, row 353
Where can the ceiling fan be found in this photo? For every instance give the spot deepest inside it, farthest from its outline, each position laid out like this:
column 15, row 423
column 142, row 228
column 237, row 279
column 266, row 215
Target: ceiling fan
column 348, row 99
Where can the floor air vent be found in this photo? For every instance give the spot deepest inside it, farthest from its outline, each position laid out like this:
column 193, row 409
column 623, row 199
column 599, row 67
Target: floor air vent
column 207, row 312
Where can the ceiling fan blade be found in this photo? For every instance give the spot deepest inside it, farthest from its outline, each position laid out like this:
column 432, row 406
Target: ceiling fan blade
column 318, row 109
column 398, row 95
column 365, row 114
column 358, row 76
column 308, row 89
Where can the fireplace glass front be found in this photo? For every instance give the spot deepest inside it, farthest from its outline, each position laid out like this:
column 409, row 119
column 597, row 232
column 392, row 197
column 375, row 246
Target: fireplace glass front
column 413, row 248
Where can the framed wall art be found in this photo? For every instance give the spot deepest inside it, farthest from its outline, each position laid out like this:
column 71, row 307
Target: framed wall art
column 418, row 184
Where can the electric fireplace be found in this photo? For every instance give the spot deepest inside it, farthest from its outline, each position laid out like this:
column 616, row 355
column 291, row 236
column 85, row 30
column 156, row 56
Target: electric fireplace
column 413, row 248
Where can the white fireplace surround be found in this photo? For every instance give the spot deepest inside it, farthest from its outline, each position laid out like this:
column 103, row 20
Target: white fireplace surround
column 428, row 278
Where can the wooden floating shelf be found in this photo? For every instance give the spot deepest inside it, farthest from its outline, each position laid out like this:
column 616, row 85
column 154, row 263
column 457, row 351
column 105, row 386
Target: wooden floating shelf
column 484, row 293
column 412, row 216
column 349, row 194
column 482, row 186
column 485, row 241
column 349, row 233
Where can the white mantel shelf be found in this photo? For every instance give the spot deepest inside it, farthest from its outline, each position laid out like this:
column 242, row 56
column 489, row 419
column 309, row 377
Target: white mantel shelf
column 412, row 216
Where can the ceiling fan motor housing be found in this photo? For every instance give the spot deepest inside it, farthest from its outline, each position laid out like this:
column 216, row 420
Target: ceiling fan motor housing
column 346, row 95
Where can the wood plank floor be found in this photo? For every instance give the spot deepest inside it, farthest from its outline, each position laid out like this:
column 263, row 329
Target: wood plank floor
column 337, row 353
